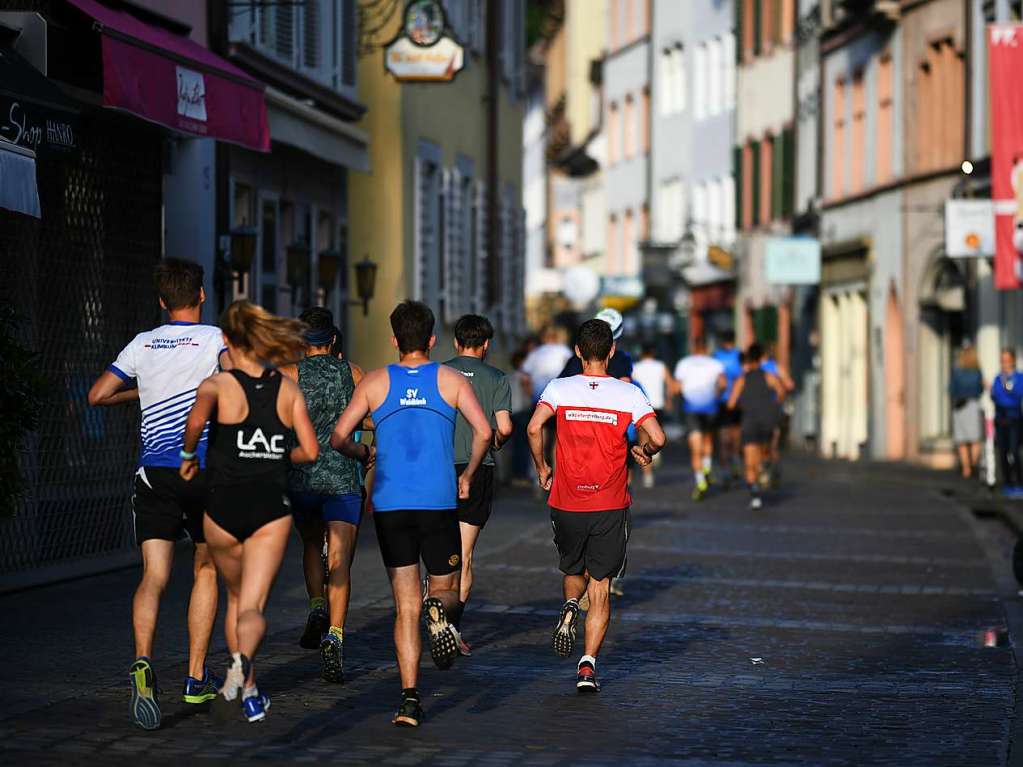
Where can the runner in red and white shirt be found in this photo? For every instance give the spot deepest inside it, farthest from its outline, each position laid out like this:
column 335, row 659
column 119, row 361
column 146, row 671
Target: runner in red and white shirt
column 589, row 497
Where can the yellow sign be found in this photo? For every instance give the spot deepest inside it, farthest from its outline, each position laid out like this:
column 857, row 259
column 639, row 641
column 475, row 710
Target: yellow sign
column 720, row 258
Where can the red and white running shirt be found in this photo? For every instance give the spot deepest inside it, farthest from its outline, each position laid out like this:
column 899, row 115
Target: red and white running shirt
column 593, row 414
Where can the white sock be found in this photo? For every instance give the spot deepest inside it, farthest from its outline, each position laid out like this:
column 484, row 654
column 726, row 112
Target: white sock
column 706, row 465
column 250, row 692
column 699, row 477
column 591, row 659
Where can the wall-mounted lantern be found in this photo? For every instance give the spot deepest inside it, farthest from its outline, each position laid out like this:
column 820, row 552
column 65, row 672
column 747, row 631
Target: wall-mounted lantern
column 365, row 282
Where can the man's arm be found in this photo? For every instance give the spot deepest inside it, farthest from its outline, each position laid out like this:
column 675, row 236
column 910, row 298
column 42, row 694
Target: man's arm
column 722, row 383
column 650, row 440
column 778, row 385
column 198, row 417
column 534, row 432
column 467, row 404
column 504, row 428
column 109, row 390
column 740, row 383
column 350, row 420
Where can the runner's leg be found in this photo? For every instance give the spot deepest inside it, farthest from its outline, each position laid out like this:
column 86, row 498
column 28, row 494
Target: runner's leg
column 226, row 552
column 202, row 610
column 470, row 533
column 598, row 616
column 157, row 558
column 262, row 553
column 696, row 453
column 311, row 530
column 574, row 586
column 341, row 539
column 408, row 605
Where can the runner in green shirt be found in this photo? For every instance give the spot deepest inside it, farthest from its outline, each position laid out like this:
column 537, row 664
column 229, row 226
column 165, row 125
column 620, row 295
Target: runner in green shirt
column 472, row 342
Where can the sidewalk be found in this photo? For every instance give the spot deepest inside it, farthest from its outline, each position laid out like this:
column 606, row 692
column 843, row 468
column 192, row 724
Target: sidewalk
column 837, row 626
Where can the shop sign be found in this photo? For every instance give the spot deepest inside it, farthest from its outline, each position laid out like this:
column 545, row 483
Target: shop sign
column 423, row 52
column 792, row 261
column 626, row 287
column 969, row 228
column 721, row 258
column 35, row 127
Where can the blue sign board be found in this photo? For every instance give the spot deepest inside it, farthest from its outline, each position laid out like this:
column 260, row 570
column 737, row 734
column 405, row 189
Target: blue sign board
column 792, row 261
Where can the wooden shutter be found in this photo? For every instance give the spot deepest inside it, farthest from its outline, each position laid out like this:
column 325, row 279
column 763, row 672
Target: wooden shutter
column 737, row 173
column 755, row 201
column 788, row 182
column 777, row 174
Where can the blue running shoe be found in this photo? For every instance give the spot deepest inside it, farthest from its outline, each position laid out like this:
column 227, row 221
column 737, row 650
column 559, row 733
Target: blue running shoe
column 256, row 706
column 145, row 710
column 201, row 690
column 332, row 653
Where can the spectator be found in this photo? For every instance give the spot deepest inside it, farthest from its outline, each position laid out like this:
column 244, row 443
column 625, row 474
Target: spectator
column 965, row 387
column 1007, row 394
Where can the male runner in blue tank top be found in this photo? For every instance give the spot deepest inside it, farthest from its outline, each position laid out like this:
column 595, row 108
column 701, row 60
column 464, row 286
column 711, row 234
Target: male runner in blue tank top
column 415, row 492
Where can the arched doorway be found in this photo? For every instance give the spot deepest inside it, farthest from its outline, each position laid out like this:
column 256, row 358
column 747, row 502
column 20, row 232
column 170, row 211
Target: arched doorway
column 942, row 326
column 895, row 377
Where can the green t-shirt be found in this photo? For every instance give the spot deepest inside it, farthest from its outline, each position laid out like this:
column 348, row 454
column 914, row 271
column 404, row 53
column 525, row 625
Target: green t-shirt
column 493, row 392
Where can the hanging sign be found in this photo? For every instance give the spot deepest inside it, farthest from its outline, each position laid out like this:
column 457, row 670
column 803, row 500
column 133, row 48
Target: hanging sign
column 969, row 228
column 423, row 52
column 792, row 261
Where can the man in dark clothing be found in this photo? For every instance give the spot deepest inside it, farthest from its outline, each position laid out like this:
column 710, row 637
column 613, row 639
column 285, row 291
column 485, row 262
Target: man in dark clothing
column 1007, row 394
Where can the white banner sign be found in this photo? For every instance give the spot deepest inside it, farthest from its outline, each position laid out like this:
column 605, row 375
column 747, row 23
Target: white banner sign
column 969, row 228
column 439, row 62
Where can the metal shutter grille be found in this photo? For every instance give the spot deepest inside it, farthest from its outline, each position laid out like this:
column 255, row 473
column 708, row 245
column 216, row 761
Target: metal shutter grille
column 311, row 25
column 284, row 31
column 427, row 225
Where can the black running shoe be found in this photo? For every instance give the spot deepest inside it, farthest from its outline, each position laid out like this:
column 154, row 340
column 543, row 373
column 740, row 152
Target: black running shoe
column 586, row 678
column 332, row 653
column 409, row 713
column 443, row 644
column 316, row 625
column 564, row 631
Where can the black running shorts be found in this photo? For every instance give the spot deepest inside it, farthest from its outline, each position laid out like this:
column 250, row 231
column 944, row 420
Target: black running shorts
column 592, row 541
column 409, row 535
column 475, row 510
column 757, row 431
column 242, row 509
column 727, row 417
column 702, row 423
column 165, row 506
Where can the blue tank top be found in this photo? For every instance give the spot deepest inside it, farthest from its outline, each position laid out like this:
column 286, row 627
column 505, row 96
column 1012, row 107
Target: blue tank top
column 730, row 358
column 415, row 429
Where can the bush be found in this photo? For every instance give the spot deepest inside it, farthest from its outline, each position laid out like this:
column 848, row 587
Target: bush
column 22, row 389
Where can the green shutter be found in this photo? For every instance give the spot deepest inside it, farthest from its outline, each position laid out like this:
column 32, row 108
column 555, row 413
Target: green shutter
column 765, row 324
column 755, row 197
column 737, row 174
column 739, row 4
column 777, row 174
column 757, row 28
column 788, row 188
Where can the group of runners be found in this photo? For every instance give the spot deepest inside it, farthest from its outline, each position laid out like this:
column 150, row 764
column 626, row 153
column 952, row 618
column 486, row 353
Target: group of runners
column 259, row 422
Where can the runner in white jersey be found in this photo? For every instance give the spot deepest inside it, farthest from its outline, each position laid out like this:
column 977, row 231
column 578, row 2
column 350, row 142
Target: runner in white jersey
column 169, row 363
column 652, row 376
column 701, row 380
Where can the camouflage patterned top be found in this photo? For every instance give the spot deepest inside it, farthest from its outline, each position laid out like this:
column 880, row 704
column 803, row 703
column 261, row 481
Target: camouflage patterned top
column 327, row 384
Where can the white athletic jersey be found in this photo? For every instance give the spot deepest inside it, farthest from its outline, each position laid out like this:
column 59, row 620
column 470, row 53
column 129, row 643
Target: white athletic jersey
column 649, row 374
column 169, row 363
column 544, row 364
column 699, row 375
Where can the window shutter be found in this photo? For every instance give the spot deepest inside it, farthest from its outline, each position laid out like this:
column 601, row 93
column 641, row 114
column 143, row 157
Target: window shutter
column 349, row 41
column 777, row 176
column 788, row 188
column 739, row 38
column 454, row 245
column 520, row 272
column 482, row 255
column 312, row 23
column 284, row 32
column 426, row 275
column 758, row 42
column 737, row 173
column 755, row 198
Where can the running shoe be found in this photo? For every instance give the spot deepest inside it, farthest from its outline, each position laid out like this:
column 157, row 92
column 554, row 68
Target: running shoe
column 463, row 647
column 255, row 707
column 564, row 631
column 145, row 710
column 201, row 690
column 443, row 645
column 586, row 678
column 332, row 653
column 700, row 490
column 616, row 588
column 316, row 625
column 225, row 705
column 409, row 712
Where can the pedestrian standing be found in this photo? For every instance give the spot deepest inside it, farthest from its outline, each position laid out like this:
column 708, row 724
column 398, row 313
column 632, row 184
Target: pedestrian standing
column 415, row 492
column 252, row 411
column 169, row 363
column 965, row 387
column 700, row 379
column 473, row 334
column 589, row 493
column 1007, row 394
column 756, row 395
column 326, row 496
column 652, row 376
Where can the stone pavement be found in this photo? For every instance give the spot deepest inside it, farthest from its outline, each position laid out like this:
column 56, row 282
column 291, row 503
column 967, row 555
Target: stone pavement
column 837, row 626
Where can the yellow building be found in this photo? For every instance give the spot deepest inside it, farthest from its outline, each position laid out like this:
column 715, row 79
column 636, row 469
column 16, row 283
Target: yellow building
column 445, row 169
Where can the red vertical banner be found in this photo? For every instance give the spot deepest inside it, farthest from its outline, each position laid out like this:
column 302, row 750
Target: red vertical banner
column 1005, row 56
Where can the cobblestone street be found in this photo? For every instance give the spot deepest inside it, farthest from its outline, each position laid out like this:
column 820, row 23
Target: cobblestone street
column 839, row 625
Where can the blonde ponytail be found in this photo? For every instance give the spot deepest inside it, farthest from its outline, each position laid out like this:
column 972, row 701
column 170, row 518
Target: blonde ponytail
column 275, row 340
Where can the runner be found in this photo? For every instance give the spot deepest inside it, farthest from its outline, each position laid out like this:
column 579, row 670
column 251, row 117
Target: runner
column 620, row 366
column 472, row 342
column 701, row 379
column 169, row 363
column 252, row 409
column 772, row 469
column 756, row 394
column 415, row 501
column 326, row 496
column 589, row 495
column 729, row 440
column 653, row 378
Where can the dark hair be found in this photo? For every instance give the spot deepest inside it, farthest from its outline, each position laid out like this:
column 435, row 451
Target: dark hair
column 728, row 337
column 754, row 353
column 594, row 340
column 319, row 322
column 472, row 331
column 1010, row 351
column 412, row 325
column 339, row 342
column 650, row 349
column 517, row 359
column 178, row 283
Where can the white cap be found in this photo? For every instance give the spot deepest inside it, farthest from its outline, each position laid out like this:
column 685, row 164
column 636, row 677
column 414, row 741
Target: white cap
column 613, row 318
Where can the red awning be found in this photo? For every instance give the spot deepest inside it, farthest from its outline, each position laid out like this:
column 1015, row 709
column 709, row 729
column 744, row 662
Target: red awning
column 174, row 81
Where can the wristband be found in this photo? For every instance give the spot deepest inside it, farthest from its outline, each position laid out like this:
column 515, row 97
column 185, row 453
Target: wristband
column 646, row 452
column 184, row 455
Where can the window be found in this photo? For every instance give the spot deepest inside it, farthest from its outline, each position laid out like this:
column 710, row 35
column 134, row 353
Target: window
column 715, row 85
column 428, row 242
column 777, row 177
column 788, row 21
column 748, row 207
column 746, row 28
column 728, row 211
column 701, row 220
column 768, row 25
column 714, row 210
column 883, row 154
column 627, row 263
column 672, row 97
column 613, row 130
column 629, row 24
column 611, row 255
column 766, row 178
column 700, row 82
column 838, row 140
column 670, row 214
column 616, row 24
column 629, row 128
column 755, row 186
column 644, row 121
column 859, row 133
column 939, row 93
column 728, row 64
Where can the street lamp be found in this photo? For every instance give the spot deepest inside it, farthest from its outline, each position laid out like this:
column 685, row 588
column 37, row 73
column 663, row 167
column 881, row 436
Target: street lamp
column 365, row 282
